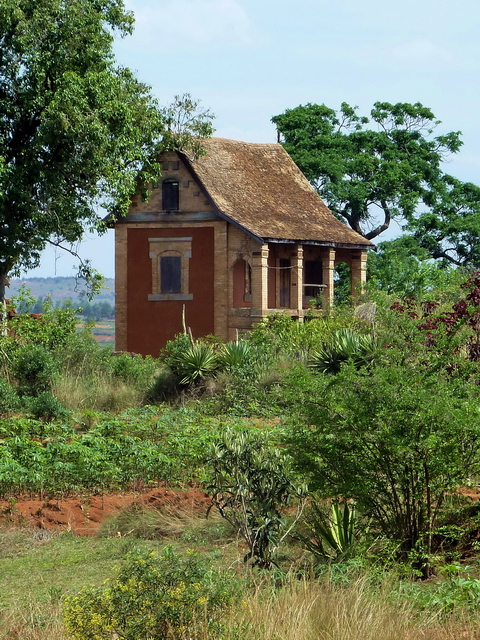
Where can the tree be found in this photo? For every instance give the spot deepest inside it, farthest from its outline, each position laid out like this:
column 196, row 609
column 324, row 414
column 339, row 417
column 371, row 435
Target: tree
column 77, row 132
column 402, row 267
column 399, row 436
column 389, row 163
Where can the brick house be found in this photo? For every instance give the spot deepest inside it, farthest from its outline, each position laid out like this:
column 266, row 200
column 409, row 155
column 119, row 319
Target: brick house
column 231, row 237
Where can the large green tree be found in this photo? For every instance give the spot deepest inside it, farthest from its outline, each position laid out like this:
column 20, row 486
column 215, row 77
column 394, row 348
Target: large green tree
column 78, row 133
column 371, row 170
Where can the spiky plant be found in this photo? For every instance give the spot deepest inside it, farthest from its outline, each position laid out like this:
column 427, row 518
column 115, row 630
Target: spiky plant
column 195, row 363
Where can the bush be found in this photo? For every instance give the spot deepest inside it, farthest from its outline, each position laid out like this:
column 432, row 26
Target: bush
column 46, row 406
column 249, row 486
column 8, row 397
column 156, row 597
column 134, row 369
column 34, row 368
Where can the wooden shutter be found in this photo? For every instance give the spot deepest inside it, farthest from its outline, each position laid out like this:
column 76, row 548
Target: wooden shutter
column 170, row 274
column 170, row 196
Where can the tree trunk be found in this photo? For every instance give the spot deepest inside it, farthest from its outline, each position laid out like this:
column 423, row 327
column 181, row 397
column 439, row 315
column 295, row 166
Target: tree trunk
column 3, row 311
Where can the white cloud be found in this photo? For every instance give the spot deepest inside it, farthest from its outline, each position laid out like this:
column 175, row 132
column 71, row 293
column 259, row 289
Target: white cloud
column 207, row 23
column 421, row 50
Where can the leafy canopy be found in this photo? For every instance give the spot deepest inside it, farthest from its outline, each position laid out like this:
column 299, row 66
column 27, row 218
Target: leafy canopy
column 77, row 132
column 390, row 163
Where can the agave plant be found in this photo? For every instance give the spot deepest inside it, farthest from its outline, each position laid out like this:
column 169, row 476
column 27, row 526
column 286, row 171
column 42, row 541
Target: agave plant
column 345, row 345
column 195, row 362
column 234, row 355
column 332, row 537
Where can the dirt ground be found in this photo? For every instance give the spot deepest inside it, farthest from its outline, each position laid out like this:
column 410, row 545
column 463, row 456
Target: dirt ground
column 84, row 515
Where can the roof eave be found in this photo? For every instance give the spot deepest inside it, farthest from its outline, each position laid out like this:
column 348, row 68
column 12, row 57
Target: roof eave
column 323, row 243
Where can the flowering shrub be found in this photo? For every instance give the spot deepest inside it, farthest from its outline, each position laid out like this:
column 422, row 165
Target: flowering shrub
column 154, row 597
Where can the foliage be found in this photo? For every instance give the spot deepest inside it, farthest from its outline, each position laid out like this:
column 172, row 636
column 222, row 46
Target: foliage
column 186, row 123
column 331, row 536
column 194, row 363
column 452, row 338
column 175, row 348
column 46, row 406
column 157, row 597
column 77, row 131
column 403, row 268
column 390, row 162
column 235, row 356
column 9, row 400
column 133, row 369
column 34, row 368
column 344, row 346
column 396, row 439
column 54, row 328
column 456, row 590
column 100, row 451
column 249, row 486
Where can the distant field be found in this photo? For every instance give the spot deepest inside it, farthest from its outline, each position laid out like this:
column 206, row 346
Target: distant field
column 104, row 332
column 60, row 289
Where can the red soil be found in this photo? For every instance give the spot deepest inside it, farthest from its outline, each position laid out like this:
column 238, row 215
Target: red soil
column 84, row 515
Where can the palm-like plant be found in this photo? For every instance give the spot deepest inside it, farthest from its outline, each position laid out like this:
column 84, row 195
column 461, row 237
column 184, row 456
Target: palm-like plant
column 195, row 362
column 234, row 355
column 332, row 537
column 345, row 345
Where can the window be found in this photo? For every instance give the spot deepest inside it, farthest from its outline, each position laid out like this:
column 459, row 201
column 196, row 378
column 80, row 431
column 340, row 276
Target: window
column 170, row 268
column 170, row 274
column 312, row 275
column 170, row 195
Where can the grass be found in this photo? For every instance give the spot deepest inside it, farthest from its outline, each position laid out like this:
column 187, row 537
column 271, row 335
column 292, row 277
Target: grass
column 39, row 568
column 99, row 393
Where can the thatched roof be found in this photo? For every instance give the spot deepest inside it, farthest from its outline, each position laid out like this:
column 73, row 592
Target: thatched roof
column 259, row 188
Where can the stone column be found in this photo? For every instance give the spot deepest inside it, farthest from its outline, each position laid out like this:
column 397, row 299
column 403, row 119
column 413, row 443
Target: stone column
column 358, row 272
column 328, row 266
column 296, row 282
column 260, row 284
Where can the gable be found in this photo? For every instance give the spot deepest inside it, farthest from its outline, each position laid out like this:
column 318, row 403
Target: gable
column 177, row 196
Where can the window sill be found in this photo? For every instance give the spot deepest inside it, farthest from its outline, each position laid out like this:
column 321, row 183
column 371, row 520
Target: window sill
column 170, row 296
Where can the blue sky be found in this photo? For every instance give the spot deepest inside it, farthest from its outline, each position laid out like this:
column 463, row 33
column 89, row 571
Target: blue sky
column 248, row 60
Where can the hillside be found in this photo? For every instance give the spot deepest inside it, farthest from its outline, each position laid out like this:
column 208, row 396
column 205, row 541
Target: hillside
column 60, row 288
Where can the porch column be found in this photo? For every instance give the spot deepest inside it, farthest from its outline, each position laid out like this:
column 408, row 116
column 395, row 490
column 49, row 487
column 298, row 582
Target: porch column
column 328, row 266
column 260, row 284
column 358, row 273
column 296, row 289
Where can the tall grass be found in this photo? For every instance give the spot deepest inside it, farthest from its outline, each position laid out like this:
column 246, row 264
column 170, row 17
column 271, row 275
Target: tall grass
column 303, row 610
column 96, row 393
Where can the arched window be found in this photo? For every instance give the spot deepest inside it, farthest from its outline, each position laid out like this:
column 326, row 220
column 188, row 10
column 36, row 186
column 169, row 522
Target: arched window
column 170, row 195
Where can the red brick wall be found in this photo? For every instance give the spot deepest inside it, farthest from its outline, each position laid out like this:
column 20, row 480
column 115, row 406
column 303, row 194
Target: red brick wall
column 152, row 322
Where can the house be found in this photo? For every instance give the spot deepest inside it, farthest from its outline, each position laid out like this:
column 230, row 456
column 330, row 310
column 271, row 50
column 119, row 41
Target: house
column 226, row 239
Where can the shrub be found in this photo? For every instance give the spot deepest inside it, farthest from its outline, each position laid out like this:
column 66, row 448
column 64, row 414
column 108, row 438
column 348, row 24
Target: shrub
column 134, row 369
column 155, row 597
column 249, row 485
column 34, row 368
column 344, row 346
column 8, row 397
column 396, row 441
column 194, row 363
column 46, row 406
column 235, row 357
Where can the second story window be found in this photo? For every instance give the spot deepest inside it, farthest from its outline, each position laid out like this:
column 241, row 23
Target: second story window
column 170, row 195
